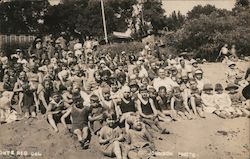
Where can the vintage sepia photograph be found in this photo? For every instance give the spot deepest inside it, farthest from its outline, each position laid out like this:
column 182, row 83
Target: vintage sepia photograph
column 124, row 79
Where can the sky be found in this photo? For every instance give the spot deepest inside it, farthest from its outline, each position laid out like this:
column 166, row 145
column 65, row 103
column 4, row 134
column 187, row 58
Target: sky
column 54, row 2
column 186, row 5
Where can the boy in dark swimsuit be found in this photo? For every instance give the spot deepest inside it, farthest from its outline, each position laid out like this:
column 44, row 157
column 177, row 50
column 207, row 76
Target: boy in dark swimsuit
column 79, row 116
column 147, row 111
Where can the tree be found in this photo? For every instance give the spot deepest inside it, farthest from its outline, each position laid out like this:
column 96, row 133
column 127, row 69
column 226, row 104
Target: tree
column 154, row 13
column 175, row 21
column 85, row 16
column 18, row 17
column 199, row 10
column 206, row 34
column 242, row 3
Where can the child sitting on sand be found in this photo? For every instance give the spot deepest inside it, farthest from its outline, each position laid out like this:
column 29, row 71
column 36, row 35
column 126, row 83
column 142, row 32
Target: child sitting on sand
column 141, row 144
column 207, row 98
column 67, row 94
column 79, row 116
column 55, row 110
column 177, row 104
column 223, row 102
column 237, row 100
column 105, row 99
column 194, row 98
column 147, row 111
column 97, row 114
column 111, row 137
column 163, row 103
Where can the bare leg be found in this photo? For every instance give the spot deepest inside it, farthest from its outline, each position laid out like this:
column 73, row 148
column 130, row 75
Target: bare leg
column 117, row 149
column 187, row 115
column 220, row 114
column 181, row 114
column 193, row 104
column 79, row 134
column 52, row 122
column 200, row 112
column 85, row 133
column 133, row 155
column 245, row 112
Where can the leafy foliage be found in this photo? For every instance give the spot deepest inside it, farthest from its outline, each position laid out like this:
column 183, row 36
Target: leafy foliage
column 206, row 34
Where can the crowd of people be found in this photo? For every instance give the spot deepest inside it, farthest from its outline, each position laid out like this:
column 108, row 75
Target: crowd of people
column 123, row 99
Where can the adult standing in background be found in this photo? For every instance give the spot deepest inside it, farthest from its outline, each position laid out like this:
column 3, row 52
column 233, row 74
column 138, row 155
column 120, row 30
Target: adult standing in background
column 223, row 53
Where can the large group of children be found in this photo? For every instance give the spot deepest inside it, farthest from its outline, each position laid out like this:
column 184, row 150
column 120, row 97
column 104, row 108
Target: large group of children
column 122, row 99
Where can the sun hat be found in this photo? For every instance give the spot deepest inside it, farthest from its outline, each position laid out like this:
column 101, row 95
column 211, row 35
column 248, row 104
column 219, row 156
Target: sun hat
column 192, row 61
column 198, row 71
column 231, row 86
column 218, row 87
column 102, row 62
column 18, row 50
column 231, row 63
column 106, row 89
column 133, row 83
column 207, row 86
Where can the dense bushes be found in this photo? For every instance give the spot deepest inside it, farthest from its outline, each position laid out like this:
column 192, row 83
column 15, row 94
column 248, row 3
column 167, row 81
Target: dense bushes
column 131, row 47
column 206, row 34
column 11, row 48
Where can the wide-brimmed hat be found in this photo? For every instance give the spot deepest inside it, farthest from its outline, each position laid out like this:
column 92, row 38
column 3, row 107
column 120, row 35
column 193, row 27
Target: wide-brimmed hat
column 192, row 61
column 18, row 50
column 133, row 83
column 199, row 71
column 207, row 86
column 218, row 87
column 231, row 63
column 231, row 86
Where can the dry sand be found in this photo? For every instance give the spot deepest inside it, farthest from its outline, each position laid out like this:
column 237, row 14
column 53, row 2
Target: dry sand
column 210, row 138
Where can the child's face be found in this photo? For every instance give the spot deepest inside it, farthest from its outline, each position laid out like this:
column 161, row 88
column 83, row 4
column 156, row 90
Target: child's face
column 219, row 91
column 97, row 76
column 136, row 72
column 232, row 90
column 47, row 85
column 106, row 95
column 144, row 81
column 174, row 72
column 209, row 91
column 179, row 80
column 94, row 103
column 126, row 94
column 198, row 76
column 11, row 72
column 195, row 65
column 137, row 125
column 56, row 98
column 120, row 68
column 110, row 122
column 114, row 87
column 185, row 80
column 152, row 94
column 162, row 92
column 134, row 89
column 69, row 87
column 193, row 85
column 77, row 71
column 6, row 78
column 22, row 76
column 75, row 89
column 177, row 94
column 162, row 73
column 65, row 76
column 144, row 94
column 105, row 77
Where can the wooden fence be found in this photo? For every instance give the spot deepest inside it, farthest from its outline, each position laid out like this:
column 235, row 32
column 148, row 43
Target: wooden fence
column 15, row 39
